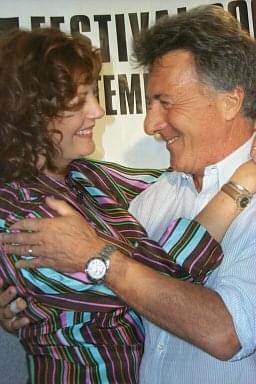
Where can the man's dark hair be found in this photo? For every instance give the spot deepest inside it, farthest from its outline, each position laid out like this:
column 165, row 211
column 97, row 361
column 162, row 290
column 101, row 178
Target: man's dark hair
column 224, row 54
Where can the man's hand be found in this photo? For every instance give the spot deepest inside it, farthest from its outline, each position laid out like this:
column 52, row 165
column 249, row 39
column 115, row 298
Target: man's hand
column 64, row 243
column 9, row 308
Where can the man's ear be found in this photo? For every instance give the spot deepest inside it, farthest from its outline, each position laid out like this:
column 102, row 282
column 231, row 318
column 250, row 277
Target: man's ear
column 232, row 102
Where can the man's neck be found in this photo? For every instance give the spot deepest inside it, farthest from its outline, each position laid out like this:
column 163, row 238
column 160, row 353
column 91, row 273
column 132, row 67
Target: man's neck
column 198, row 182
column 224, row 163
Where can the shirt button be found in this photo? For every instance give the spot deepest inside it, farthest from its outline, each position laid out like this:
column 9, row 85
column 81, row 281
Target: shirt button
column 160, row 347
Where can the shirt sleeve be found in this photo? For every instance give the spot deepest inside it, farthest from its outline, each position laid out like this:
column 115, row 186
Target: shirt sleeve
column 122, row 182
column 186, row 250
column 236, row 284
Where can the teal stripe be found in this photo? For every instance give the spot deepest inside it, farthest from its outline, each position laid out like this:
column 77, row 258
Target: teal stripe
column 79, row 175
column 176, row 234
column 101, row 364
column 95, row 191
column 76, row 331
column 70, row 282
column 86, row 317
column 69, row 318
column 137, row 320
column 190, row 246
column 2, row 223
column 77, row 336
column 65, row 280
column 37, row 283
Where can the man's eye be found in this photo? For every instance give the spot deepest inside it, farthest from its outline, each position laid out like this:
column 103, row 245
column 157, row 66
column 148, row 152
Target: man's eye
column 165, row 104
column 148, row 103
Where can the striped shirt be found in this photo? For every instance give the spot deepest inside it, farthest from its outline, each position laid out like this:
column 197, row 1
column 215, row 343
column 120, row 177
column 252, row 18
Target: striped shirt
column 80, row 332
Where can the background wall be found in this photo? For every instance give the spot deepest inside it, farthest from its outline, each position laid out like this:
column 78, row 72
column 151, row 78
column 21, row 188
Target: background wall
column 111, row 25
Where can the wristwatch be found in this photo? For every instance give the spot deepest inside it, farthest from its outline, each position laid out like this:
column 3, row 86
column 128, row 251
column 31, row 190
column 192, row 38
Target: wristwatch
column 237, row 192
column 97, row 266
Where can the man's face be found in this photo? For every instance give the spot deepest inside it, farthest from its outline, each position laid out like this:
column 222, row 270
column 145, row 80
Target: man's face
column 188, row 115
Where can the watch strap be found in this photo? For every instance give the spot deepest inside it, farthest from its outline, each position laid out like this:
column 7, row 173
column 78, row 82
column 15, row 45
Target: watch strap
column 106, row 252
column 238, row 193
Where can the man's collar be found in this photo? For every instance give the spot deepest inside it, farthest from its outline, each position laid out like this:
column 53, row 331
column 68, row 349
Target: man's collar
column 226, row 167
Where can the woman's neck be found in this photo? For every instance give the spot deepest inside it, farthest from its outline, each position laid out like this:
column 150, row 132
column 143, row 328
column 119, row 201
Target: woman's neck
column 58, row 176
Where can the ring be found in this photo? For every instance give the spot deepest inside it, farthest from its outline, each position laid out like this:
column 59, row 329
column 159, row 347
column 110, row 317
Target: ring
column 30, row 251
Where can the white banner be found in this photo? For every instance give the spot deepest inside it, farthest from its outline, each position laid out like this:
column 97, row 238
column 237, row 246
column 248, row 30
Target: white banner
column 111, row 25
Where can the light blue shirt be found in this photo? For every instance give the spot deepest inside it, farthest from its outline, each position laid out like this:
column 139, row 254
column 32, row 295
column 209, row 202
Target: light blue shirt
column 168, row 359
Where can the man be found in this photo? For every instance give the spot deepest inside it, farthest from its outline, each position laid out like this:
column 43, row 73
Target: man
column 202, row 101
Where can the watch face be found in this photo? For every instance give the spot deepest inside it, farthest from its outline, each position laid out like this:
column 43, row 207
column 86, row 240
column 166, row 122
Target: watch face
column 96, row 269
column 244, row 201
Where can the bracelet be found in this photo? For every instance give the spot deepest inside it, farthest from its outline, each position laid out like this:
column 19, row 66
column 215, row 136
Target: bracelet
column 239, row 193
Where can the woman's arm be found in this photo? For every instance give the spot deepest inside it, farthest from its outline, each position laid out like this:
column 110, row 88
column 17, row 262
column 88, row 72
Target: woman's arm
column 214, row 217
column 222, row 210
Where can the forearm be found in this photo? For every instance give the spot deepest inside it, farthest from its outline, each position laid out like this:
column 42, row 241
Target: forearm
column 222, row 209
column 221, row 206
column 191, row 312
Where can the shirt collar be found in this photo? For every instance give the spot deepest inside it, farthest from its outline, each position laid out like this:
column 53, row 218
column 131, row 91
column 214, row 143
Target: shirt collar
column 225, row 168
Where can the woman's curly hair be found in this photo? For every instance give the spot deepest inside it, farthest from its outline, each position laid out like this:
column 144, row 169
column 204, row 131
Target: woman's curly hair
column 39, row 74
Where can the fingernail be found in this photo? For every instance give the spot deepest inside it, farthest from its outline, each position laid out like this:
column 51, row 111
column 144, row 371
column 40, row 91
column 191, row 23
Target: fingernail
column 14, row 308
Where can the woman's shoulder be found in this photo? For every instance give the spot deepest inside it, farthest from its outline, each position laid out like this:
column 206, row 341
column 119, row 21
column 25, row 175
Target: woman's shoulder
column 116, row 170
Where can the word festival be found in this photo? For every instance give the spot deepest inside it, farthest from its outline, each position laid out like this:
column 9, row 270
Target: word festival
column 123, row 93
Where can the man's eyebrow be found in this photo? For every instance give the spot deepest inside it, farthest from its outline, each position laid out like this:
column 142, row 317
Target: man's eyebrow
column 158, row 96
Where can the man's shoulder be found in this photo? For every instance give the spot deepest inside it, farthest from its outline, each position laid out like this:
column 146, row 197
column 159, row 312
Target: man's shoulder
column 165, row 184
column 167, row 179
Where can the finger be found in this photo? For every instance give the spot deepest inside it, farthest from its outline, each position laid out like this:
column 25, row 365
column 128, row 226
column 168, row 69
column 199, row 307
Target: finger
column 19, row 323
column 15, row 307
column 15, row 324
column 25, row 250
column 7, row 296
column 60, row 206
column 28, row 224
column 20, row 238
column 33, row 263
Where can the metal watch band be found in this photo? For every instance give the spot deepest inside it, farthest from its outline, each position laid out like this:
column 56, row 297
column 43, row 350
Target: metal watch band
column 106, row 252
column 238, row 193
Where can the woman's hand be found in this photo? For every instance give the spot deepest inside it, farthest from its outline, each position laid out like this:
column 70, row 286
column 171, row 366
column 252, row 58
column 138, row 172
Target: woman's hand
column 246, row 175
column 10, row 306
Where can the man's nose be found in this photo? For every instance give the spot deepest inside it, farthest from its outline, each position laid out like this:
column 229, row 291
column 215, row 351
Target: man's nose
column 155, row 120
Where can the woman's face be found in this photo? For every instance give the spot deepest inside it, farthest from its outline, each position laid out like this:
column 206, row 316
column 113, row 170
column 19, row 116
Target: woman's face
column 77, row 126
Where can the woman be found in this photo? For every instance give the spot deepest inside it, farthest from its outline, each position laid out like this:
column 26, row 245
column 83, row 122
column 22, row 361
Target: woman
column 79, row 332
